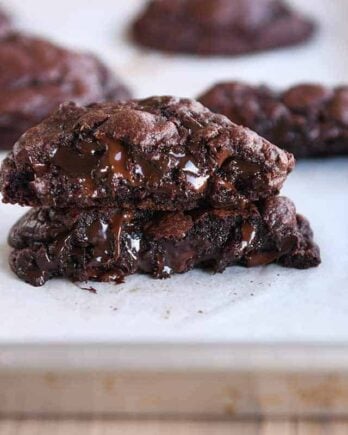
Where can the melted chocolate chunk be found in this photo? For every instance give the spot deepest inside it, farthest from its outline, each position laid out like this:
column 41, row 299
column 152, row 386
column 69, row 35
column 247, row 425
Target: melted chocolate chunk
column 37, row 76
column 75, row 164
column 215, row 27
column 307, row 120
column 161, row 153
column 109, row 244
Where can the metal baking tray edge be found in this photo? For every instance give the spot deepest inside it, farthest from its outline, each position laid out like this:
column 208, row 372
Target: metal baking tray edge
column 181, row 380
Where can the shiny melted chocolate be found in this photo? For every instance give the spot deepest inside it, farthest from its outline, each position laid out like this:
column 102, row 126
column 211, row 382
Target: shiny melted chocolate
column 105, row 237
column 107, row 245
column 248, row 235
column 102, row 239
column 115, row 160
column 107, row 157
column 243, row 171
column 97, row 235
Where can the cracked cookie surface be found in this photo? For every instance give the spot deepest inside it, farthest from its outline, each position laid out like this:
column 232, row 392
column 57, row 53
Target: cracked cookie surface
column 220, row 27
column 161, row 153
column 308, row 120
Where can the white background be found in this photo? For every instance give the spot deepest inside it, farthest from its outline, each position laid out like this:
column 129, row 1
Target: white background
column 265, row 304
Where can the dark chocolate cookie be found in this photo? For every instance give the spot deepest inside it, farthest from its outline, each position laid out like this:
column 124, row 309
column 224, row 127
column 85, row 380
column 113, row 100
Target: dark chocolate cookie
column 162, row 153
column 308, row 120
column 213, row 27
column 5, row 24
column 107, row 244
column 36, row 76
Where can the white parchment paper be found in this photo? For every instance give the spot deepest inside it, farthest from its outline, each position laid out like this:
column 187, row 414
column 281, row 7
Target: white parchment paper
column 264, row 304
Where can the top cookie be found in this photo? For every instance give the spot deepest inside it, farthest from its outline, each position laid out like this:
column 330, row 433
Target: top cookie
column 162, row 153
column 36, row 76
column 212, row 27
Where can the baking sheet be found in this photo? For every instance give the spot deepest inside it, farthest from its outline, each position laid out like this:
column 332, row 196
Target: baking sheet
column 268, row 304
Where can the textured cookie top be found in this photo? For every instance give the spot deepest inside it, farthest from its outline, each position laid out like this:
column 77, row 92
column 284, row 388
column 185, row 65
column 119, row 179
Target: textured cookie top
column 307, row 119
column 220, row 26
column 36, row 76
column 218, row 12
column 160, row 153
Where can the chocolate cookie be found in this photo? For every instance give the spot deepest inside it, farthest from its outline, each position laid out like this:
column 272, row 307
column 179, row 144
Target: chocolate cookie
column 5, row 24
column 162, row 153
column 307, row 120
column 215, row 27
column 109, row 244
column 36, row 76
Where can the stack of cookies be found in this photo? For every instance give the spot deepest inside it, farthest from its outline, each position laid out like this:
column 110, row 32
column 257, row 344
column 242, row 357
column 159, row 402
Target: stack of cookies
column 157, row 186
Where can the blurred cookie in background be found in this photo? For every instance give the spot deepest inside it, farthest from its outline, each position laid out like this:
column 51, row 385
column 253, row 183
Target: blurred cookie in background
column 5, row 23
column 308, row 120
column 220, row 27
column 37, row 75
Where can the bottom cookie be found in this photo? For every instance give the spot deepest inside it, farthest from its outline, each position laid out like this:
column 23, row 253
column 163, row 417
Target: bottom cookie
column 109, row 244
